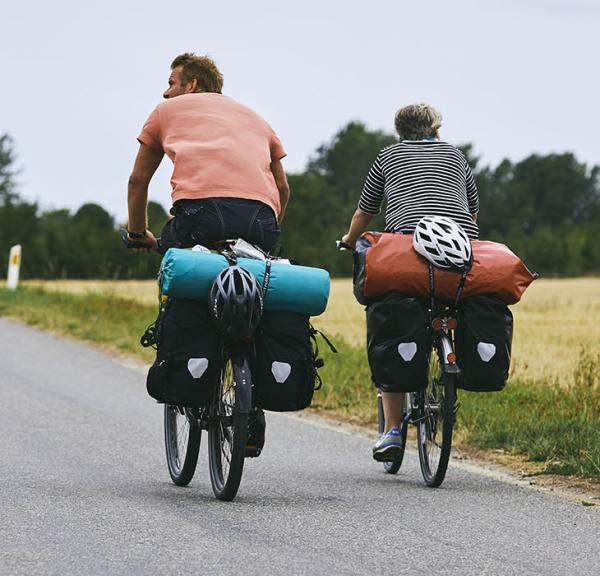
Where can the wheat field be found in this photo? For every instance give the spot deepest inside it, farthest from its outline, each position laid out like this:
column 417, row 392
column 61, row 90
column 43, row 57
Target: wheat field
column 554, row 321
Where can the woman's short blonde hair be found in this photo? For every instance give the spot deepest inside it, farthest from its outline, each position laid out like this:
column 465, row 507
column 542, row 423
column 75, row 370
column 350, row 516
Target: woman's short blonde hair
column 417, row 121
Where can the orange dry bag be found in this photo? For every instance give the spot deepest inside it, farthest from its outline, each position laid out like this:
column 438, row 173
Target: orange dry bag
column 387, row 262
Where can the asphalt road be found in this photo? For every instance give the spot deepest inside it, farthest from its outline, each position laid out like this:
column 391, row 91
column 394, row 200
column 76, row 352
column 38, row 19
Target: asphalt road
column 85, row 490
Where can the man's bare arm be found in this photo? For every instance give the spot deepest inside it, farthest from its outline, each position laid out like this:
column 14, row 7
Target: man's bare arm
column 282, row 185
column 145, row 165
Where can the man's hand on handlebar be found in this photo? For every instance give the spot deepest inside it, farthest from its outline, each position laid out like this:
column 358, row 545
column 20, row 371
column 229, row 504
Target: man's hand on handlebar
column 146, row 244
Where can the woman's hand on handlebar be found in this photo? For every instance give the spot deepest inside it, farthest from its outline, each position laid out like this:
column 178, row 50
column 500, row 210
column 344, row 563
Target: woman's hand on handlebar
column 343, row 244
column 347, row 243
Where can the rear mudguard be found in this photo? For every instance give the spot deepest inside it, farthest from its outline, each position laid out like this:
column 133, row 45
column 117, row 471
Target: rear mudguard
column 243, row 384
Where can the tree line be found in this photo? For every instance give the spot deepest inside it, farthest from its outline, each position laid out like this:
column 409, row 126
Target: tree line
column 546, row 208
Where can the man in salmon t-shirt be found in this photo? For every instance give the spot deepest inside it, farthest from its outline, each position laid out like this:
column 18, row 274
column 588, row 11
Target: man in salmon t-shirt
column 227, row 181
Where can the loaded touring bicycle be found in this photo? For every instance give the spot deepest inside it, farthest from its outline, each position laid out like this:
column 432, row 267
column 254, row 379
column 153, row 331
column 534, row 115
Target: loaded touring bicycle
column 233, row 337
column 437, row 321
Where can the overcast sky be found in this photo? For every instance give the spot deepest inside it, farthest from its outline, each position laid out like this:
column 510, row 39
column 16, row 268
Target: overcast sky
column 79, row 78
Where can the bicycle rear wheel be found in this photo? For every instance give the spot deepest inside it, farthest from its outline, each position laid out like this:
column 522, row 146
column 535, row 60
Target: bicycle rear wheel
column 391, row 466
column 436, row 421
column 228, row 430
column 182, row 443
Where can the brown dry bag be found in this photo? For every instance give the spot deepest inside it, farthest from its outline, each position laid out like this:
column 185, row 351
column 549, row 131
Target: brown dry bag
column 387, row 262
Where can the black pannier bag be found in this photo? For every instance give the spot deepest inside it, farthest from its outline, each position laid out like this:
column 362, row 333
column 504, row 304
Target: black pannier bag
column 188, row 354
column 397, row 343
column 285, row 368
column 483, row 341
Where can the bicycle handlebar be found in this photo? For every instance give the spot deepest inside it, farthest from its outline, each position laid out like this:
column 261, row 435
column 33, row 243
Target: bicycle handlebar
column 341, row 245
column 132, row 244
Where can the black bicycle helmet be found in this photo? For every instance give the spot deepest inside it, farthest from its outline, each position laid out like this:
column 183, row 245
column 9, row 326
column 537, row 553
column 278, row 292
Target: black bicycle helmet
column 235, row 302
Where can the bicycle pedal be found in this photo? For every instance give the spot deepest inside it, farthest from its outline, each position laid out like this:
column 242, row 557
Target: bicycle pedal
column 252, row 451
column 389, row 455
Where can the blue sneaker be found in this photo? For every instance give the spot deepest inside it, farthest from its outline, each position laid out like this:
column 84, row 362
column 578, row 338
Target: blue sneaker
column 389, row 446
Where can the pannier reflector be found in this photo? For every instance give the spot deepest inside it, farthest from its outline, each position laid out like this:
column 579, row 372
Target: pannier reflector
column 486, row 351
column 280, row 371
column 197, row 366
column 407, row 350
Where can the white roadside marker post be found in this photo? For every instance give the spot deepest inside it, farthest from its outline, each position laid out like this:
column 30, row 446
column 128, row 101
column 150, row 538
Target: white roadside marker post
column 14, row 265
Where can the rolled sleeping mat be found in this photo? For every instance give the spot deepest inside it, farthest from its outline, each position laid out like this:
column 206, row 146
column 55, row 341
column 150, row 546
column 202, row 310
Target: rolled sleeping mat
column 291, row 288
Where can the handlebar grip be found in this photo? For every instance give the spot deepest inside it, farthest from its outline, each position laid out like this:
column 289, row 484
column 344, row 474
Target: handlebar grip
column 341, row 245
column 129, row 244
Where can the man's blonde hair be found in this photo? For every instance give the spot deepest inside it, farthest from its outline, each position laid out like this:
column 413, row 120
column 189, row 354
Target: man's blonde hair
column 199, row 68
column 417, row 121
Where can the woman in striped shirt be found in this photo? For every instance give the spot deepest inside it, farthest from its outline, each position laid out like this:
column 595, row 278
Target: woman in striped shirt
column 418, row 176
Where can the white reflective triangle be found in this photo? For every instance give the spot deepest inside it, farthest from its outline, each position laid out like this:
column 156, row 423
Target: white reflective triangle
column 280, row 371
column 486, row 351
column 407, row 350
column 197, row 366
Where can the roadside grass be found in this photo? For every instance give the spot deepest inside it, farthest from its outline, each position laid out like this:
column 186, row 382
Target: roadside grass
column 552, row 320
column 111, row 323
column 546, row 420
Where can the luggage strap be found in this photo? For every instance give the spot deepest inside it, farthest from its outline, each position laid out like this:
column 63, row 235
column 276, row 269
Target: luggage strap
column 150, row 336
column 461, row 287
column 431, row 288
column 459, row 291
column 266, row 278
column 319, row 363
column 231, row 257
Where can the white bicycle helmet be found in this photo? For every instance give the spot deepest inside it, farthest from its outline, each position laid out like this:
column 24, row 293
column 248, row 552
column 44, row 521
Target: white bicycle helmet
column 443, row 242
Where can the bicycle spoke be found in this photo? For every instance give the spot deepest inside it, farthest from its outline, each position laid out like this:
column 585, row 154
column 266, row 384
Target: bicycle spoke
column 182, row 442
column 435, row 422
column 226, row 448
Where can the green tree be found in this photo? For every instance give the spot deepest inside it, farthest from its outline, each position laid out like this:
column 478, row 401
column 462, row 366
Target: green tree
column 326, row 194
column 345, row 162
column 19, row 221
column 157, row 217
column 7, row 169
column 551, row 190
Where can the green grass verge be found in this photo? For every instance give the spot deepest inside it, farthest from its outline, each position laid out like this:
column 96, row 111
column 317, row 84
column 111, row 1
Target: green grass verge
column 545, row 422
column 112, row 323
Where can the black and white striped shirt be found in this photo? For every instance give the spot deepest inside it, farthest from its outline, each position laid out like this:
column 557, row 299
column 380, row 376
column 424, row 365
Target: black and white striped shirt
column 420, row 177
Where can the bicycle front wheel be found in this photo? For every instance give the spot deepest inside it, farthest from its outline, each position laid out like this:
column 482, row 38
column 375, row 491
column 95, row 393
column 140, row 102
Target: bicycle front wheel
column 436, row 421
column 228, row 431
column 182, row 443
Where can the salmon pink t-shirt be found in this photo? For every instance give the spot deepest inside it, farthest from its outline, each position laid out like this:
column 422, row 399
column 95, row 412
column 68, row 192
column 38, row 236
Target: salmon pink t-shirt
column 218, row 148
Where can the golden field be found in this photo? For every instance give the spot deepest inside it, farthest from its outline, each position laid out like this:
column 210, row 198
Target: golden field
column 553, row 322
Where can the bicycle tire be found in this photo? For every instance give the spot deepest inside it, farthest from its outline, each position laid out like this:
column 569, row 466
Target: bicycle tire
column 228, row 431
column 182, row 443
column 391, row 466
column 436, row 416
